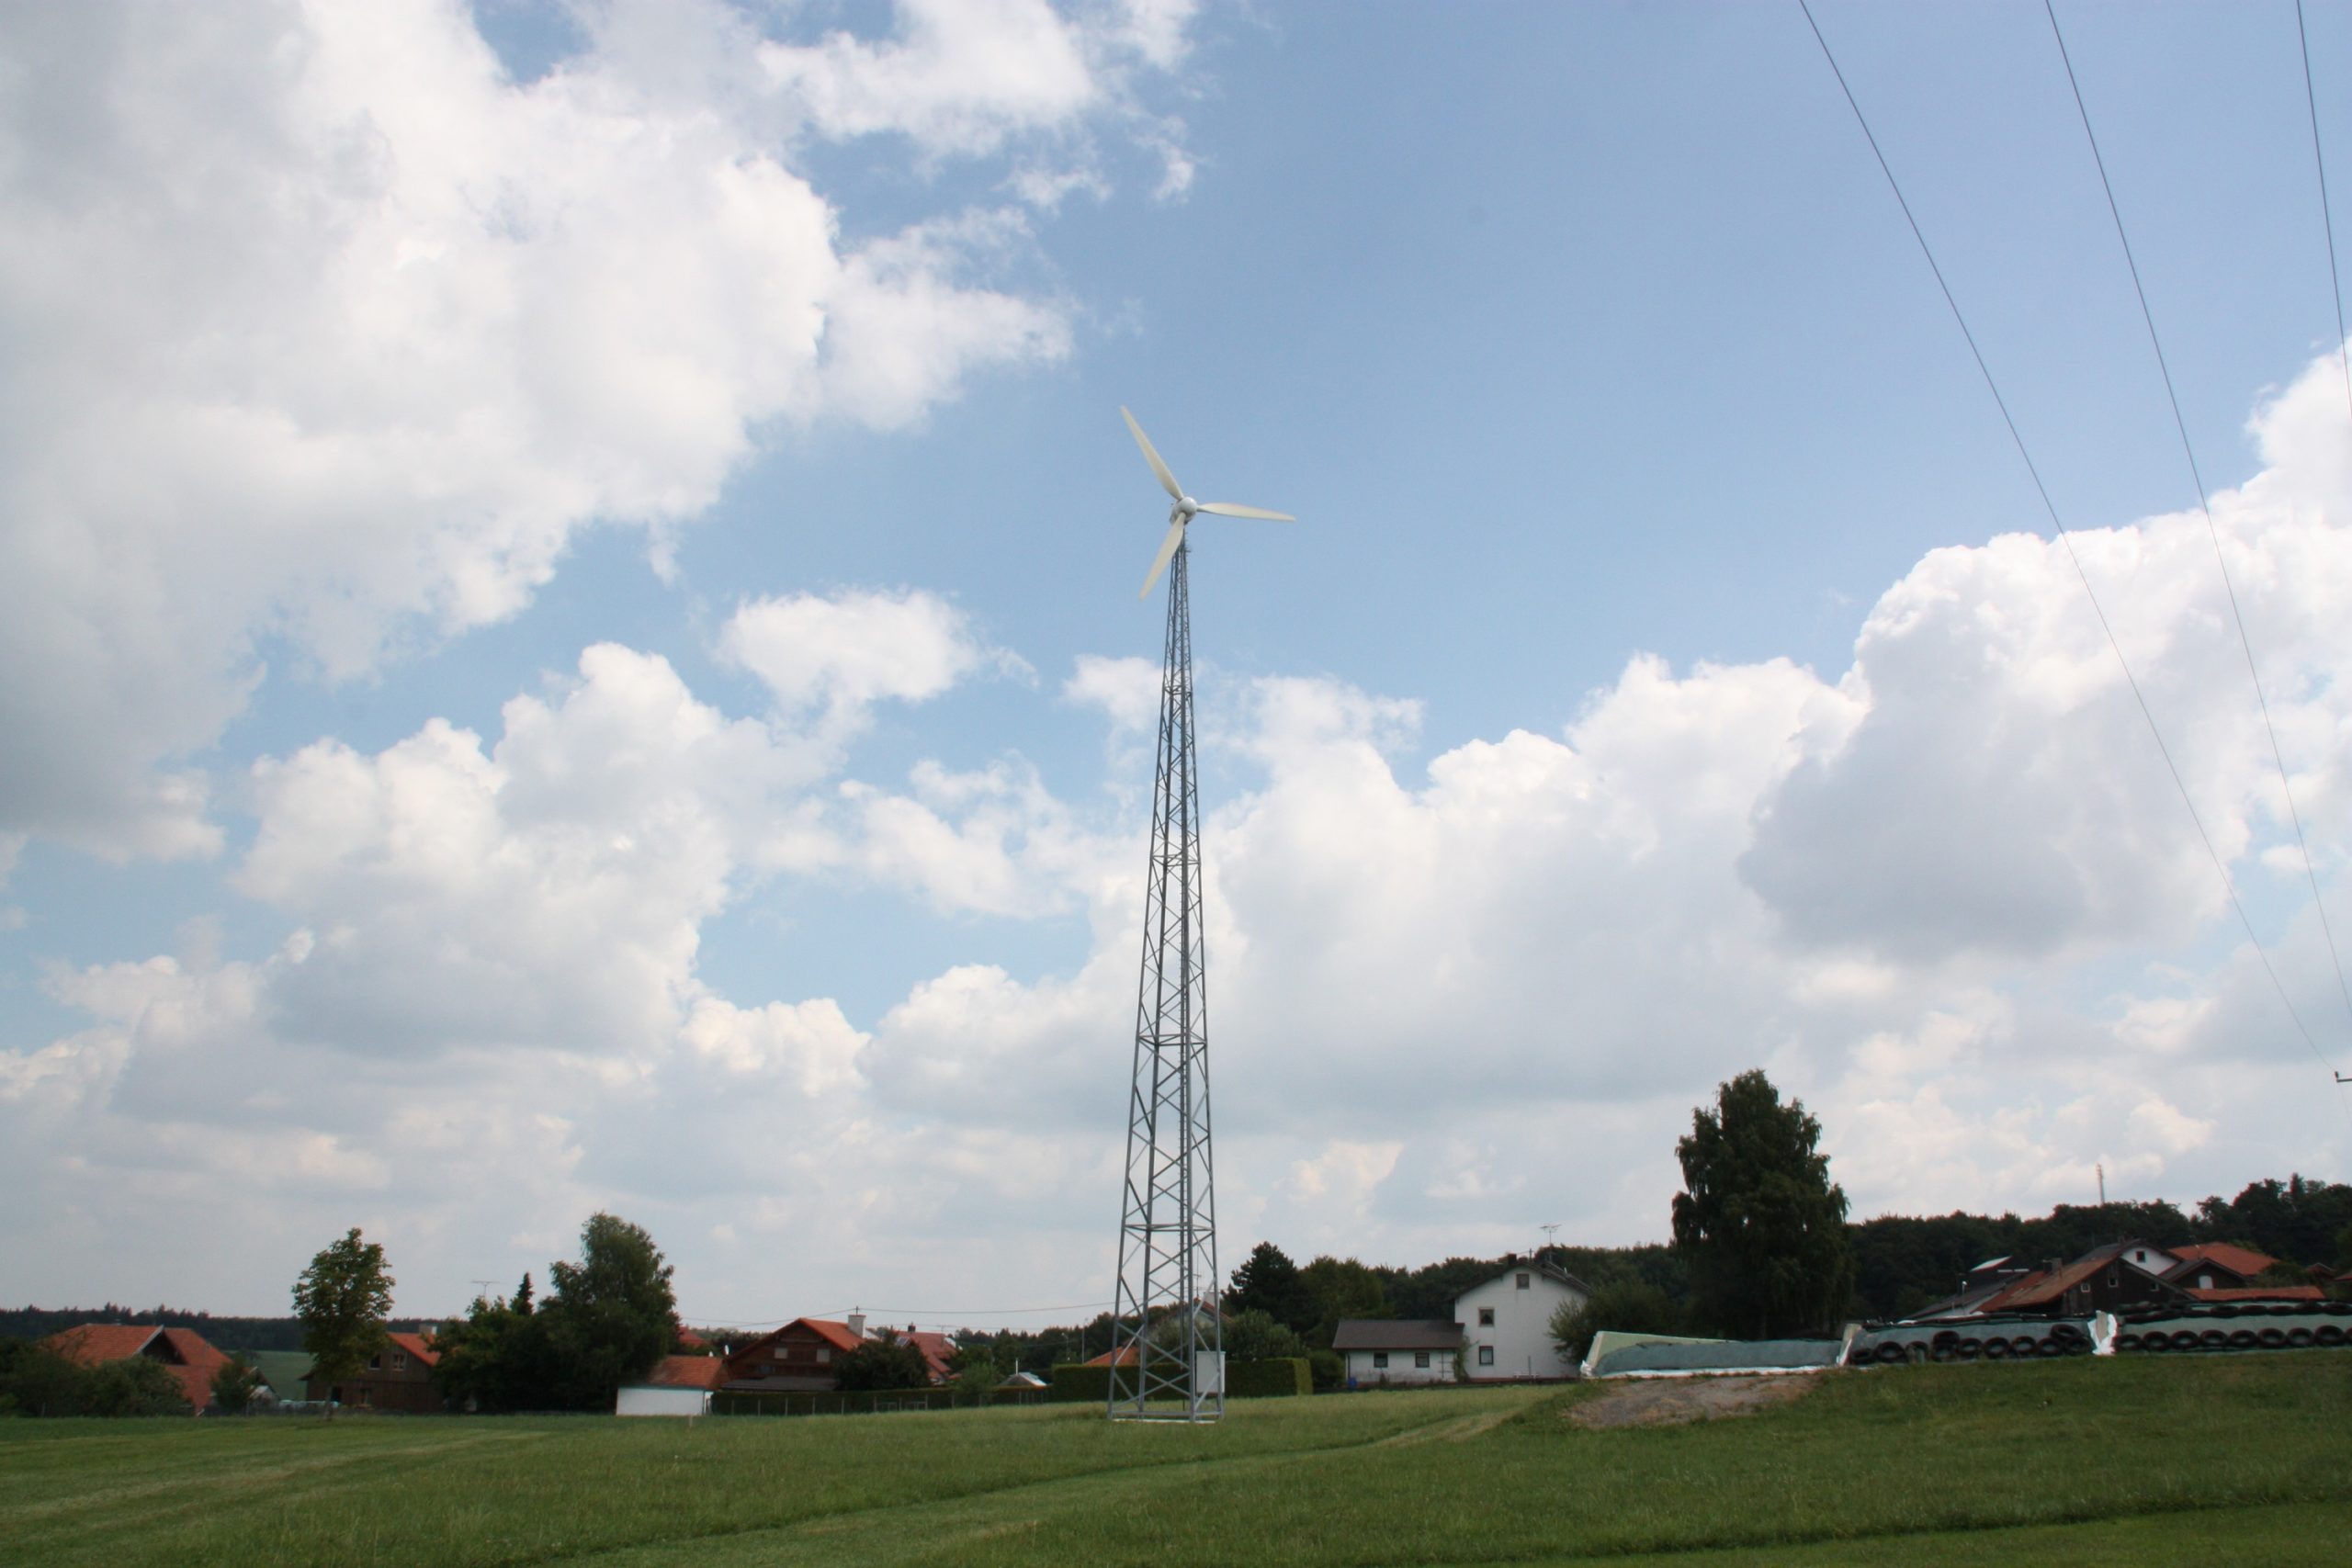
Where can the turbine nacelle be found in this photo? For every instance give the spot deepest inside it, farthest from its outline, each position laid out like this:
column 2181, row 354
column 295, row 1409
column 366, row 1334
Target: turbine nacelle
column 1186, row 508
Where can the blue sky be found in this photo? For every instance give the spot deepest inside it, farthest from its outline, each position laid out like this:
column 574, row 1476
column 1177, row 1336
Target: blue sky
column 1641, row 696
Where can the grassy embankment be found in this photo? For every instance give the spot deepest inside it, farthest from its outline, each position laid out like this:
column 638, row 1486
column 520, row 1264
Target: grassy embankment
column 2240, row 1459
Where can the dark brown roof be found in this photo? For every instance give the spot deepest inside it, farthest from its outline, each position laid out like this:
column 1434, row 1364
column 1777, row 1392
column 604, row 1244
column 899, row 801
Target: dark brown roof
column 2263, row 1294
column 1397, row 1334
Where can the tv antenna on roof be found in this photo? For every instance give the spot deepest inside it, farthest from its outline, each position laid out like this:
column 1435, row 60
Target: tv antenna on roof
column 1168, row 1219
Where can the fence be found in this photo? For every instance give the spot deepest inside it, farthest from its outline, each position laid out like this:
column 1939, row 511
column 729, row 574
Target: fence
column 877, row 1402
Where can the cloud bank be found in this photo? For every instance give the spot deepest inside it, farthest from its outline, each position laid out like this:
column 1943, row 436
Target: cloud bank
column 1947, row 897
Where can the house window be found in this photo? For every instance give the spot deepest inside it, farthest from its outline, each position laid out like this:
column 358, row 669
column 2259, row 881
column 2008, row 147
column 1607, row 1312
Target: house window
column 399, row 1360
column 1421, row 1359
column 375, row 1362
column 824, row 1353
column 2114, row 1274
column 1486, row 1317
column 1522, row 1281
column 1380, row 1357
column 2204, row 1281
column 1486, row 1355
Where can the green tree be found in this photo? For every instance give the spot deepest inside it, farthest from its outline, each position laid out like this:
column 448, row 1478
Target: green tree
column 1627, row 1304
column 132, row 1386
column 1341, row 1288
column 976, row 1372
column 1268, row 1282
column 235, row 1383
column 496, row 1357
column 882, row 1363
column 37, row 1380
column 1258, row 1335
column 1763, row 1225
column 342, row 1299
column 612, row 1315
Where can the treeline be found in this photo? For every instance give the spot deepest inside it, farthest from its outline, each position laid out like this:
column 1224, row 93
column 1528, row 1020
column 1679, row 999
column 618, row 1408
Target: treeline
column 1905, row 1263
column 230, row 1334
column 1902, row 1263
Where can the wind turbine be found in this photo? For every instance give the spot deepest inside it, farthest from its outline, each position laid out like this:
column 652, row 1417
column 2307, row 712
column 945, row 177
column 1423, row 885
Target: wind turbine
column 1168, row 1272
column 1186, row 508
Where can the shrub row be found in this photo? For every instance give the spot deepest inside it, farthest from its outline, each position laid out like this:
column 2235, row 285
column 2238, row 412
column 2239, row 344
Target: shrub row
column 1273, row 1378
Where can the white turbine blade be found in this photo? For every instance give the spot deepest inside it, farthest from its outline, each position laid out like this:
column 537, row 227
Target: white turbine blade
column 1166, row 481
column 1235, row 509
column 1166, row 549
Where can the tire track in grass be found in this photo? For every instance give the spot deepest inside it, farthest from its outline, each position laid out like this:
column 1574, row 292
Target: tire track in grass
column 947, row 1530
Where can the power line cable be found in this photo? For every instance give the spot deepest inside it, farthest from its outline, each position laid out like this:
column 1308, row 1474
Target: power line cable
column 2155, row 731
column 2213, row 529
column 2327, row 220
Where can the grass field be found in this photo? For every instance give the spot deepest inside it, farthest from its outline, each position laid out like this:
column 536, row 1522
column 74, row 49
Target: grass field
column 2243, row 1459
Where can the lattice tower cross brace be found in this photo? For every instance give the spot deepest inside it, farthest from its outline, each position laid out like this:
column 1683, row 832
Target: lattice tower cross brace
column 1167, row 1227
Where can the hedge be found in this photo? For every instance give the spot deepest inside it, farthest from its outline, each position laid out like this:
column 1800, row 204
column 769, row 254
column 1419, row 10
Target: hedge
column 1076, row 1384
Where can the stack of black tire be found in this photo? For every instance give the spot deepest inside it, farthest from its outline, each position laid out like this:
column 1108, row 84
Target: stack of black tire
column 2236, row 1325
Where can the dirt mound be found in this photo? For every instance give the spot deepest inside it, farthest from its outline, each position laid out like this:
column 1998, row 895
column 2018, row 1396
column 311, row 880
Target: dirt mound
column 1669, row 1401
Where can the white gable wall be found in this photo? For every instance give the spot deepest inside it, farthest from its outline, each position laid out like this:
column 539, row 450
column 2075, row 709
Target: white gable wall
column 1364, row 1370
column 1520, row 1335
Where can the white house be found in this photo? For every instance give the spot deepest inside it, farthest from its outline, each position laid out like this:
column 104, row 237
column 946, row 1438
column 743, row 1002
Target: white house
column 1396, row 1350
column 1507, row 1322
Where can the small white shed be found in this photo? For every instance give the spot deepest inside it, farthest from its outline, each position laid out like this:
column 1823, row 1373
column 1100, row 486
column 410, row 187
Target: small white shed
column 1394, row 1350
column 653, row 1399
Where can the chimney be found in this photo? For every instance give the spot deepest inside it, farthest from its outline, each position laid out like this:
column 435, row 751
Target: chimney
column 857, row 1325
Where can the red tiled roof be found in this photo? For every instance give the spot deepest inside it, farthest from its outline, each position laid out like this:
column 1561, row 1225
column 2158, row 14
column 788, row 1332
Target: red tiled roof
column 188, row 1355
column 689, row 1341
column 94, row 1343
column 937, row 1349
column 417, row 1346
column 2242, row 1261
column 2264, row 1293
column 688, row 1372
column 843, row 1340
column 1126, row 1355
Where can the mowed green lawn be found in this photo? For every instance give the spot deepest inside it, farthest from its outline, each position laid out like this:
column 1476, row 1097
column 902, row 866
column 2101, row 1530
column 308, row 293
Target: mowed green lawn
column 2130, row 1461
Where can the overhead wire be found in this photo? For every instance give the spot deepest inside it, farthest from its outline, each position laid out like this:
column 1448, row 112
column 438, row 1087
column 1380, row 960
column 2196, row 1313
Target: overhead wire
column 2197, row 479
column 2327, row 218
column 2155, row 731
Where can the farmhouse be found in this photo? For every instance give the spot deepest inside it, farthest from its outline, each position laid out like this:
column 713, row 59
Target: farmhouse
column 1505, row 1322
column 398, row 1377
column 804, row 1356
column 2217, row 1266
column 190, row 1357
column 799, row 1358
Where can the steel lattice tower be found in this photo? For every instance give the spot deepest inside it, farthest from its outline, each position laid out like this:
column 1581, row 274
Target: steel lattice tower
column 1167, row 1227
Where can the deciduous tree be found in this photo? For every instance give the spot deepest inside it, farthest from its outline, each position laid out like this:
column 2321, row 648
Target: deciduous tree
column 884, row 1362
column 1627, row 1304
column 612, row 1315
column 234, row 1385
column 1763, row 1225
column 342, row 1299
